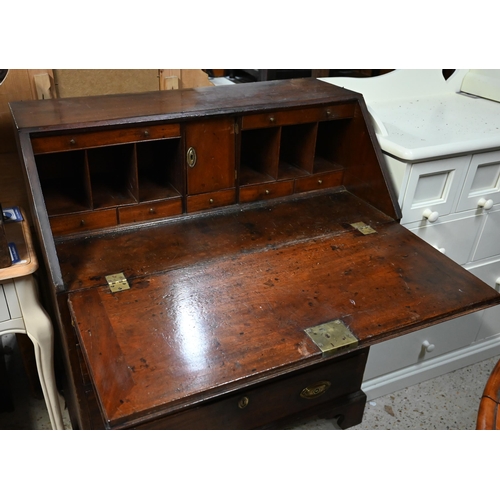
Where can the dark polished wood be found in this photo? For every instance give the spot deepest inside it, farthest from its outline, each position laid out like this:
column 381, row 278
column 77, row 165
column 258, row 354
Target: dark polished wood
column 233, row 220
column 488, row 416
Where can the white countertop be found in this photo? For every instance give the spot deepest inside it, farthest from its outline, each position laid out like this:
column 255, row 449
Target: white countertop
column 414, row 128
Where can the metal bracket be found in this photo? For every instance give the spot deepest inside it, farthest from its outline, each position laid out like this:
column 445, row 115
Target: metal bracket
column 363, row 228
column 117, row 282
column 332, row 337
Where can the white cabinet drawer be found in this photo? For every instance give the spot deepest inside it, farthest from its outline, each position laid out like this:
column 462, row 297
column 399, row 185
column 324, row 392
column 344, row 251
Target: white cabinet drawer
column 490, row 325
column 489, row 273
column 433, row 188
column 455, row 238
column 481, row 188
column 413, row 349
column 489, row 241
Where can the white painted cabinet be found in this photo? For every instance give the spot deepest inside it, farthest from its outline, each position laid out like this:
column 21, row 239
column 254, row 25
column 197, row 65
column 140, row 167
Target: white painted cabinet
column 442, row 152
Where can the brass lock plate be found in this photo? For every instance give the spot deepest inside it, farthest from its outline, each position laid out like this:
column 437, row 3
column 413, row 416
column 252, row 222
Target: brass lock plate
column 117, row 282
column 191, row 157
column 332, row 337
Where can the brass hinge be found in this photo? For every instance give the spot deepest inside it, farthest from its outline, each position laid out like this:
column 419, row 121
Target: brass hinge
column 332, row 337
column 363, row 228
column 117, row 282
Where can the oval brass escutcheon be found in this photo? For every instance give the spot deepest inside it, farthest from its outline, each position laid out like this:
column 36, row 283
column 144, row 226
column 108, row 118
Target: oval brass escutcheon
column 315, row 390
column 243, row 402
column 191, row 157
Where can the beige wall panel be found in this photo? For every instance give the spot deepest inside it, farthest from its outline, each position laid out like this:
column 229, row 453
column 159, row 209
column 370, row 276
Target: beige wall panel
column 83, row 82
column 187, row 78
column 15, row 87
column 192, row 78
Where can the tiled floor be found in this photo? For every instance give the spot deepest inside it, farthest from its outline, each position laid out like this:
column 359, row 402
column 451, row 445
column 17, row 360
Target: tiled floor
column 447, row 402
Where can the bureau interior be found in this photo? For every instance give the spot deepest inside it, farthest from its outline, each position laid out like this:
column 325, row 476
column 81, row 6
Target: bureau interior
column 123, row 174
column 110, row 176
column 291, row 151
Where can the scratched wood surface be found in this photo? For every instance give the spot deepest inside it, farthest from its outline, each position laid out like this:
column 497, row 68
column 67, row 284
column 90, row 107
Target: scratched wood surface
column 214, row 320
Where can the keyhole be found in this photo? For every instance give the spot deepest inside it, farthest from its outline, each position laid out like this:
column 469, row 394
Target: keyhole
column 191, row 157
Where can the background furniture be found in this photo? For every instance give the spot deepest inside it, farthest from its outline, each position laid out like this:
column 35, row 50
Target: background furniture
column 21, row 312
column 442, row 149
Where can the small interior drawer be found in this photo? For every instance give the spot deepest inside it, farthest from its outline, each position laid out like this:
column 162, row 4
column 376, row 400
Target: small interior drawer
column 150, row 211
column 265, row 191
column 105, row 137
column 319, row 181
column 307, row 115
column 84, row 221
column 211, row 200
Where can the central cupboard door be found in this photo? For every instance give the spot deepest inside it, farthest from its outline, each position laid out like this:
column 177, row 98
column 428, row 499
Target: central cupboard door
column 210, row 155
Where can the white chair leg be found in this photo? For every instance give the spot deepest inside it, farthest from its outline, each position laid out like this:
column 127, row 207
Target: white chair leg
column 39, row 330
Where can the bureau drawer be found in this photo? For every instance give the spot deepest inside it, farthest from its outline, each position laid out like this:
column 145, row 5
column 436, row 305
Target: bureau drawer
column 319, row 181
column 84, row 221
column 263, row 404
column 211, row 200
column 265, row 191
column 150, row 211
column 102, row 138
column 422, row 345
column 307, row 115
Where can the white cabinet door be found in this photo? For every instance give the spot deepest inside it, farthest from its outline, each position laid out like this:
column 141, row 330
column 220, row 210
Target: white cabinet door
column 454, row 238
column 481, row 188
column 433, row 188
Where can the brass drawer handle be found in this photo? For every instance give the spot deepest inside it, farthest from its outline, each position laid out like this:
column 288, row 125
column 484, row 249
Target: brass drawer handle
column 315, row 390
column 243, row 402
column 191, row 157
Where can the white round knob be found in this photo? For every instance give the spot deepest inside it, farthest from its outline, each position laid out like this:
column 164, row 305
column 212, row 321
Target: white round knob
column 442, row 250
column 430, row 215
column 497, row 285
column 428, row 346
column 484, row 203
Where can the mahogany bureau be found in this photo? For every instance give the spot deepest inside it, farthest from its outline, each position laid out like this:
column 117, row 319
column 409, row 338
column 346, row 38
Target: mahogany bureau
column 224, row 257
